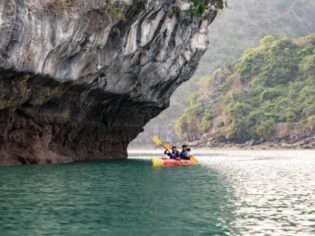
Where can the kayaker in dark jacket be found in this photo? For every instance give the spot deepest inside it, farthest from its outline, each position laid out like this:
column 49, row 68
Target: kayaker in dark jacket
column 184, row 153
column 174, row 154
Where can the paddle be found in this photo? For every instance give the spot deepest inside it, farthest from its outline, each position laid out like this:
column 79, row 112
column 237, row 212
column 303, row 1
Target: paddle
column 194, row 160
column 157, row 141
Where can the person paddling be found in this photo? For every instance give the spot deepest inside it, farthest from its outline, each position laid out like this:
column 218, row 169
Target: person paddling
column 185, row 153
column 174, row 154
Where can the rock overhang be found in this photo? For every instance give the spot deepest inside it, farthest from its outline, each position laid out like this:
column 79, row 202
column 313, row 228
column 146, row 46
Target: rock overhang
column 86, row 64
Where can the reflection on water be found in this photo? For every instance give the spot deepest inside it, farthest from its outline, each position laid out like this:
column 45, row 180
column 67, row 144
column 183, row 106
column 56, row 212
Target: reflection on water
column 230, row 193
column 273, row 195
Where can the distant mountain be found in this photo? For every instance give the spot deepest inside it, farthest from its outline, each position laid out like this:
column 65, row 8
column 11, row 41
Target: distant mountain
column 267, row 94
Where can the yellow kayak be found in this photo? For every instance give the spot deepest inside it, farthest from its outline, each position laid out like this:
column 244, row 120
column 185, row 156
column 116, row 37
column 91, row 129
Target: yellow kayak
column 172, row 162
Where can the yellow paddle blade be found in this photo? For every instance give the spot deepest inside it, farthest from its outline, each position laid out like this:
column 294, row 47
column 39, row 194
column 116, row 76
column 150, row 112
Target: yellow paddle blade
column 156, row 140
column 167, row 146
column 194, row 160
column 157, row 162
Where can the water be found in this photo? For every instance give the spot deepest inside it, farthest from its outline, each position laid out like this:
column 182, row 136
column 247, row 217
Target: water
column 230, row 193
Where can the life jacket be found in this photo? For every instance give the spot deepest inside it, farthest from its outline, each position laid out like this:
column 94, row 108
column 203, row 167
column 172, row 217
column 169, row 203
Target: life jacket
column 183, row 154
column 173, row 155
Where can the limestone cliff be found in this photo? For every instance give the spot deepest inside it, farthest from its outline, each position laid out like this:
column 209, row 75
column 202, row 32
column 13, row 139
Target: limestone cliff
column 80, row 78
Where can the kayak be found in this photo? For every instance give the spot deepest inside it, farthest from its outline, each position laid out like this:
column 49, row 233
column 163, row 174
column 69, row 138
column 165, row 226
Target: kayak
column 171, row 162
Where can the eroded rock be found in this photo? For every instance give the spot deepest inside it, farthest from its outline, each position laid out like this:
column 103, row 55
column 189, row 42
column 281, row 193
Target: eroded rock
column 79, row 79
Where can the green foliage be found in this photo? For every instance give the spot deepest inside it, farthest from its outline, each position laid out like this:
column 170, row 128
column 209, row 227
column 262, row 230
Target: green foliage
column 207, row 118
column 271, row 93
column 268, row 85
column 282, row 62
column 194, row 98
column 116, row 12
column 238, row 126
column 183, row 125
column 311, row 120
column 268, row 40
column 197, row 7
column 265, row 129
column 307, row 65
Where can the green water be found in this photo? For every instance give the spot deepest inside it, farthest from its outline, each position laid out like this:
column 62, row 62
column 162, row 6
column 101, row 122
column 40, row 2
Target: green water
column 243, row 193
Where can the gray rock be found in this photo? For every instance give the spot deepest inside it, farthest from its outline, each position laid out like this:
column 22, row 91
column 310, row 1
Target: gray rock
column 80, row 78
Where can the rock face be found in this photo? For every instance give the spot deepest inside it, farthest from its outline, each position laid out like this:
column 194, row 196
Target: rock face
column 80, row 78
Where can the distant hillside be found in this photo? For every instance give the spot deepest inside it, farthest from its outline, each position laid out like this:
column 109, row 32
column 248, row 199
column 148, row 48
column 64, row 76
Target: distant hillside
column 267, row 94
column 245, row 22
column 237, row 27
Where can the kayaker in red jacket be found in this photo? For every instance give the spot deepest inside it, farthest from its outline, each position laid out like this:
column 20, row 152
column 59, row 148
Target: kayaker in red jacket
column 174, row 154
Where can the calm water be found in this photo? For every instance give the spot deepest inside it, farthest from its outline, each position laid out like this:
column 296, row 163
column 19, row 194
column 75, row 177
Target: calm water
column 230, row 193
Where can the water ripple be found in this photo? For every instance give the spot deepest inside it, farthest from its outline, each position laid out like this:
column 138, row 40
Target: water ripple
column 230, row 193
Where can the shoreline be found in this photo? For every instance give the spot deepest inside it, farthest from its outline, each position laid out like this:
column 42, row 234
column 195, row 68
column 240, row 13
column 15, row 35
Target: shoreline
column 203, row 149
column 263, row 146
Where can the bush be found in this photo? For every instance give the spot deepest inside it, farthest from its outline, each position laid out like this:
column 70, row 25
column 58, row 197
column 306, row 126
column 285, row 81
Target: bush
column 265, row 129
column 307, row 66
column 311, row 120
column 269, row 85
column 197, row 7
column 116, row 12
column 207, row 118
column 271, row 93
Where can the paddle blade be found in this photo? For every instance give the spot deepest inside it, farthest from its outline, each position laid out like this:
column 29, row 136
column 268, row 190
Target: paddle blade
column 157, row 162
column 167, row 146
column 194, row 160
column 156, row 140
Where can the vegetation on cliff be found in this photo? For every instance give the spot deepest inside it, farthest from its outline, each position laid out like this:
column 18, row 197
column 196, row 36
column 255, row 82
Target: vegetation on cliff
column 198, row 7
column 269, row 92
